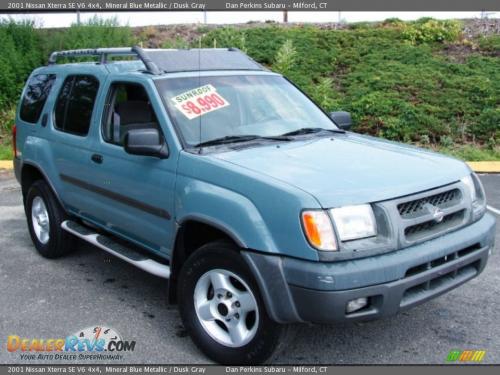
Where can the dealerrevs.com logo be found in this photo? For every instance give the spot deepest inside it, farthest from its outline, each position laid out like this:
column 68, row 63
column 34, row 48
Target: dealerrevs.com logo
column 92, row 343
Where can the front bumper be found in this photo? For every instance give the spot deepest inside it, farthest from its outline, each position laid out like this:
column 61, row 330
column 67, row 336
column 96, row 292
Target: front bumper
column 302, row 291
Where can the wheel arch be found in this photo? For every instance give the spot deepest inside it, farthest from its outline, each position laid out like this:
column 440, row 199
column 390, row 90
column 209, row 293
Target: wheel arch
column 206, row 230
column 31, row 172
column 265, row 268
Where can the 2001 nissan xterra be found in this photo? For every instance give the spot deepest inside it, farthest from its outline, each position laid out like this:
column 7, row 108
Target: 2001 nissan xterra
column 202, row 167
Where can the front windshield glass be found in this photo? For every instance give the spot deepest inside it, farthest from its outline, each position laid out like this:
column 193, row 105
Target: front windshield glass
column 209, row 108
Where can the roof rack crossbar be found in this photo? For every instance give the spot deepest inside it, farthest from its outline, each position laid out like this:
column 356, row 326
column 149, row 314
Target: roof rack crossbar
column 105, row 53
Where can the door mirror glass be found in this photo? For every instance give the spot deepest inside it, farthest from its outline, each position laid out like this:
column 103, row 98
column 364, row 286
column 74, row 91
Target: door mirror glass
column 342, row 119
column 146, row 142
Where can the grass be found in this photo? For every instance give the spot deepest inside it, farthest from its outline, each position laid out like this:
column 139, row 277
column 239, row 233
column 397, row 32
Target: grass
column 6, row 152
column 6, row 122
column 472, row 153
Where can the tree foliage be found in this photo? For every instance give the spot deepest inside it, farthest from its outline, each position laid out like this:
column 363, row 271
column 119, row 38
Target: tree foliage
column 24, row 48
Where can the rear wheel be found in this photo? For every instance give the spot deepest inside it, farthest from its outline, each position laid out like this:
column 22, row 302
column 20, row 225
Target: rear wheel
column 222, row 309
column 45, row 215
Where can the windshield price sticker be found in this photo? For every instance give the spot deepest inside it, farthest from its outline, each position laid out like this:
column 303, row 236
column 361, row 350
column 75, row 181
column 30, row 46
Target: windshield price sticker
column 199, row 101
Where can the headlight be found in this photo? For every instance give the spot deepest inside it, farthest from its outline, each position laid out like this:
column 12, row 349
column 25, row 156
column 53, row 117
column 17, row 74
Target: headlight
column 469, row 184
column 476, row 193
column 318, row 230
column 354, row 222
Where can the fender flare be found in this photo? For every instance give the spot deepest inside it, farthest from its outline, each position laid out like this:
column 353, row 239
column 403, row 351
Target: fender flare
column 44, row 175
column 214, row 223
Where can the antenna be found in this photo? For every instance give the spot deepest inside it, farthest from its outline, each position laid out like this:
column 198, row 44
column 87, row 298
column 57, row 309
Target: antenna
column 199, row 84
column 485, row 14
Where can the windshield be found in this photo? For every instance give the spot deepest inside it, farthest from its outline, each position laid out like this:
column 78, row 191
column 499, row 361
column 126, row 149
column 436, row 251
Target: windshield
column 209, row 108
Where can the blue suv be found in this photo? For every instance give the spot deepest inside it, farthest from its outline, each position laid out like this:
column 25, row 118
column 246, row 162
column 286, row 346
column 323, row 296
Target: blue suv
column 202, row 167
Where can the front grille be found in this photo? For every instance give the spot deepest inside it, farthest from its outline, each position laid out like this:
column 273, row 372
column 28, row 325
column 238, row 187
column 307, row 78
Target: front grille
column 430, row 227
column 423, row 216
column 416, row 207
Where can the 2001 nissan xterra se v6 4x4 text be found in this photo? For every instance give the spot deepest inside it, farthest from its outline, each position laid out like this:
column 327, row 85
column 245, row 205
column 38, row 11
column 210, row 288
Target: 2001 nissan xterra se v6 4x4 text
column 202, row 167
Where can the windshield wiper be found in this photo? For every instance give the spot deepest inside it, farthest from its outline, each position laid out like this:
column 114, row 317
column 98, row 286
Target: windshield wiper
column 302, row 131
column 240, row 138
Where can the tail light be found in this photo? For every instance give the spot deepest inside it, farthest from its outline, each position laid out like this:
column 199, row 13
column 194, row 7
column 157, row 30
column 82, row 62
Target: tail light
column 14, row 145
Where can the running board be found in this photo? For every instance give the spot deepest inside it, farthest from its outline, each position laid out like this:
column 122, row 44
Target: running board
column 128, row 254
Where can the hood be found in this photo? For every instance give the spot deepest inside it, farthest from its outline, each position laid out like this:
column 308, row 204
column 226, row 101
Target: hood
column 350, row 169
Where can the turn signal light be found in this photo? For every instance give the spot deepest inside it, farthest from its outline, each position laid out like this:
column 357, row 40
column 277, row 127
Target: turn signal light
column 318, row 230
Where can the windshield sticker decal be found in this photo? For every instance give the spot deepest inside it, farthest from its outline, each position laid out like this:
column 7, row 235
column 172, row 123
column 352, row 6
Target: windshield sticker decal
column 199, row 101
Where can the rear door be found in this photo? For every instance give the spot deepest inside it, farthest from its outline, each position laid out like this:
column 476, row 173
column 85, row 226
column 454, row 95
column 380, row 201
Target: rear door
column 71, row 119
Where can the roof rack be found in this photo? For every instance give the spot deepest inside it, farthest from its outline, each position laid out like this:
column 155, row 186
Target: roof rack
column 105, row 53
column 158, row 61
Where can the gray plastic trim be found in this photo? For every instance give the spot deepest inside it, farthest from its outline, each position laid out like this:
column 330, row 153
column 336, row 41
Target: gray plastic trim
column 268, row 272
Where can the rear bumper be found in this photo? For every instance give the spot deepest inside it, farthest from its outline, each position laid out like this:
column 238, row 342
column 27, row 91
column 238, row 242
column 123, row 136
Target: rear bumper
column 17, row 168
column 303, row 291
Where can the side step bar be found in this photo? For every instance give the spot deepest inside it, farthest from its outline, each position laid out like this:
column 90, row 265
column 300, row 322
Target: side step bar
column 128, row 254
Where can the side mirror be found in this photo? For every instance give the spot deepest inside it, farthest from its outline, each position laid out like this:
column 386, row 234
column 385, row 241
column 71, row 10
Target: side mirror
column 146, row 142
column 342, row 119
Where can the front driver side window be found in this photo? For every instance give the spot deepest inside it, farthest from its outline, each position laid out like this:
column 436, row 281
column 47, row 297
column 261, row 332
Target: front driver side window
column 128, row 107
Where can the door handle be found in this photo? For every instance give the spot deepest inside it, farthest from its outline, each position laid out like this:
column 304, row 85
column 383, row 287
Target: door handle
column 96, row 158
column 44, row 120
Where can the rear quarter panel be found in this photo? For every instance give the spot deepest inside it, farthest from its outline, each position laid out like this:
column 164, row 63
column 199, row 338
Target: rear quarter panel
column 44, row 147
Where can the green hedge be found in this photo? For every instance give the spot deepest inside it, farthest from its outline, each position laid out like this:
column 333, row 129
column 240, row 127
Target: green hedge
column 399, row 80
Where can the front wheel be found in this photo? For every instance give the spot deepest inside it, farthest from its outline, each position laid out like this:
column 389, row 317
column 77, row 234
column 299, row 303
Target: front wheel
column 222, row 309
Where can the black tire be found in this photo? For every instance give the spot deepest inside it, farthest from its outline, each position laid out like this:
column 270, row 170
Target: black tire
column 59, row 242
column 267, row 339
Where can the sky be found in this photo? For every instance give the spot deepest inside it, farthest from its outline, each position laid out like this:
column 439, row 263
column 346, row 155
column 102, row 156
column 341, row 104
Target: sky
column 165, row 18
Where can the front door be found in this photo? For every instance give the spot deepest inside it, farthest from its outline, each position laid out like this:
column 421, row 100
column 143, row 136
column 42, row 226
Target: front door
column 136, row 193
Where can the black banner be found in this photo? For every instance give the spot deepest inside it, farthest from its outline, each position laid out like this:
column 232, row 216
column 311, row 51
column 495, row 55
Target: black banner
column 215, row 370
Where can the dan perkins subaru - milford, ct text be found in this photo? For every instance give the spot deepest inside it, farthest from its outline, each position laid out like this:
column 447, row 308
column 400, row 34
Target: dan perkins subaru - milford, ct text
column 276, row 5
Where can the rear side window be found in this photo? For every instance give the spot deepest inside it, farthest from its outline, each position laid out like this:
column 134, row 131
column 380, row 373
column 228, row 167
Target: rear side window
column 75, row 103
column 37, row 91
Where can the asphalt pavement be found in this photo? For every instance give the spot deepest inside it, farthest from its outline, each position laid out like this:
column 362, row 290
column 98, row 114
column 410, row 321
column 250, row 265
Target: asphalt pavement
column 41, row 298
